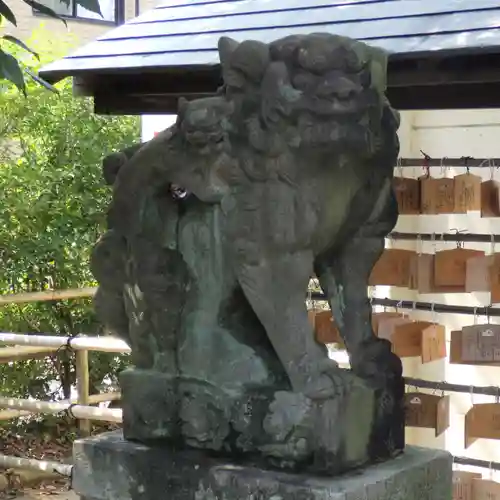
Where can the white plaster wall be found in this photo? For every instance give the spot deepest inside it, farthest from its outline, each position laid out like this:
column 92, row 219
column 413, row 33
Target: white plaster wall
column 473, row 133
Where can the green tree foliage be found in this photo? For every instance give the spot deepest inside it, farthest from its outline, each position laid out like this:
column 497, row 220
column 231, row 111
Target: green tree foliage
column 12, row 67
column 53, row 207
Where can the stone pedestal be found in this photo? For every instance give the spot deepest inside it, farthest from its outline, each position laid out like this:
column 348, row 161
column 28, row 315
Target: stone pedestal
column 109, row 468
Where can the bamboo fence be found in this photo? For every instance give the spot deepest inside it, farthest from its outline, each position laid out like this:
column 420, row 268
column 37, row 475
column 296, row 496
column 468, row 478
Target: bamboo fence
column 22, row 346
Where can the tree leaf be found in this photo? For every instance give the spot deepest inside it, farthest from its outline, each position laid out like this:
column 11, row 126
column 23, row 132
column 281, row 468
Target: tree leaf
column 21, row 44
column 92, row 5
column 41, row 81
column 43, row 9
column 11, row 71
column 7, row 13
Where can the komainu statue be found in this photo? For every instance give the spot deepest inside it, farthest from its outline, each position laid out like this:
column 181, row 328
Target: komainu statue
column 215, row 228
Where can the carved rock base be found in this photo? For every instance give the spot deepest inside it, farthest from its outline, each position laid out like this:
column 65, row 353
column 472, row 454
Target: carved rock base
column 273, row 427
column 108, row 467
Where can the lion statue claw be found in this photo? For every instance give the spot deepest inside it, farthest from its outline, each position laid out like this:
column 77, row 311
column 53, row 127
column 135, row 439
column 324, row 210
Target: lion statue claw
column 216, row 226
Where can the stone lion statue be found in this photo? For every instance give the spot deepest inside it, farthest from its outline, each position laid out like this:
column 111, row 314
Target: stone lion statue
column 215, row 228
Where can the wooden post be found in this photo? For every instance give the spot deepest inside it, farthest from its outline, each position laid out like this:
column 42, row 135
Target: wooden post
column 82, row 386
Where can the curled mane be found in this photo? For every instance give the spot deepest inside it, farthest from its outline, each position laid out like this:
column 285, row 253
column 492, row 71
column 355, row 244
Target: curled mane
column 316, row 92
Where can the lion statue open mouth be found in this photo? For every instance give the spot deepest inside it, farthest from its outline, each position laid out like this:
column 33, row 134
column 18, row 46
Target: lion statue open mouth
column 216, row 226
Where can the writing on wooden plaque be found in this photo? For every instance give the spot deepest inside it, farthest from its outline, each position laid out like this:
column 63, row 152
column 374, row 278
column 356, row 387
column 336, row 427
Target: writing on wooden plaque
column 482, row 421
column 485, row 489
column 325, row 328
column 467, row 193
column 450, row 266
column 407, row 193
column 392, row 269
column 437, row 195
column 428, row 411
column 481, row 344
column 406, row 338
column 433, row 343
column 463, row 483
column 422, row 276
column 490, row 199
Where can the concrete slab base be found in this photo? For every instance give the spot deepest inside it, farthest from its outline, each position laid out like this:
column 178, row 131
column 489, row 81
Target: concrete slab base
column 109, row 468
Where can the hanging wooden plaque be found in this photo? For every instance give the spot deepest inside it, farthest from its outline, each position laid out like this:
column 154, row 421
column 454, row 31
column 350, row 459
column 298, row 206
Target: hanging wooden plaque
column 482, row 421
column 450, row 266
column 406, row 338
column 433, row 343
column 381, row 316
column 456, row 351
column 490, row 199
column 325, row 329
column 485, row 489
column 407, row 193
column 392, row 269
column 463, row 484
column 495, row 278
column 413, row 281
column 437, row 195
column 481, row 344
column 427, row 411
column 387, row 326
column 467, row 193
column 477, row 273
column 424, row 269
column 456, row 347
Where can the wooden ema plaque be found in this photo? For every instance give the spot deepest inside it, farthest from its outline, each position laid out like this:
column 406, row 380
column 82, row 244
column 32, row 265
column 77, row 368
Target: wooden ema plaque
column 485, row 489
column 377, row 318
column 407, row 193
column 325, row 329
column 387, row 326
column 422, row 276
column 456, row 352
column 437, row 196
column 413, row 338
column 428, row 411
column 482, row 421
column 477, row 273
column 433, row 343
column 467, row 193
column 481, row 344
column 463, row 482
column 450, row 266
column 490, row 199
column 392, row 269
column 495, row 278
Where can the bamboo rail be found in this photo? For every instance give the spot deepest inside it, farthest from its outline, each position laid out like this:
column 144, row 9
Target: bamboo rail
column 19, row 353
column 47, row 295
column 78, row 343
column 26, row 346
column 93, row 399
column 33, row 464
column 76, row 410
column 22, row 347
